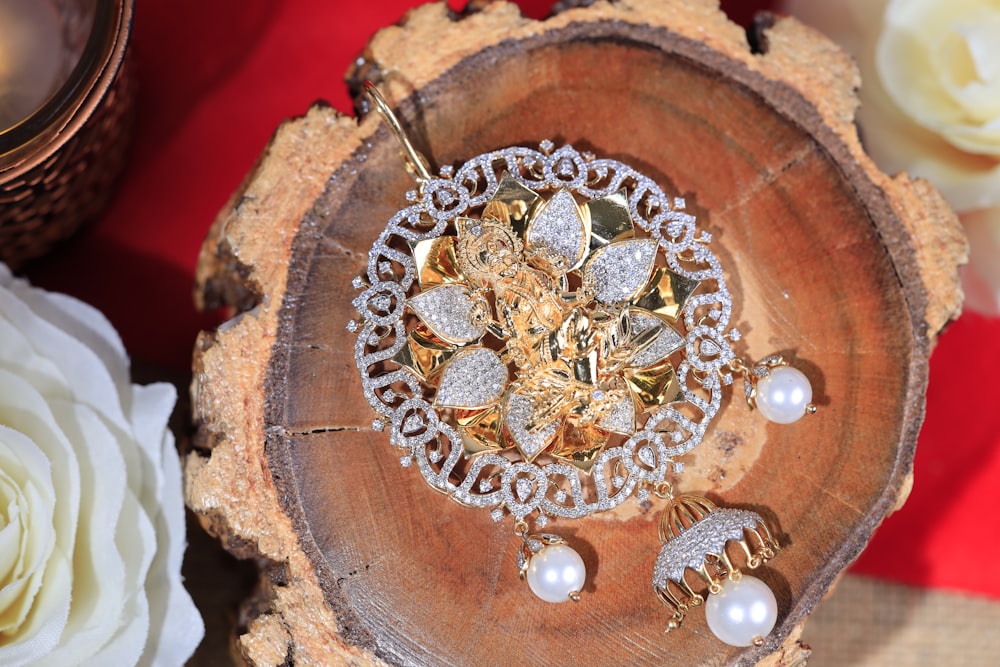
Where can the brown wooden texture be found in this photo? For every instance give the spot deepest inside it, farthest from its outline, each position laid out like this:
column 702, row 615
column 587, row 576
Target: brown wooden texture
column 850, row 272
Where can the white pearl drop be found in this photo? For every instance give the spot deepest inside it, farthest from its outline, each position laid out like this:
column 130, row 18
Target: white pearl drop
column 784, row 395
column 742, row 612
column 555, row 572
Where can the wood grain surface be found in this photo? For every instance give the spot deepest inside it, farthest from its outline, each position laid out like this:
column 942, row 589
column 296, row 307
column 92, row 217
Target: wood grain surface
column 848, row 272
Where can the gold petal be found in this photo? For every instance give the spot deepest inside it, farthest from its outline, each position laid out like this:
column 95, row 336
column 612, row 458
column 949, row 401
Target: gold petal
column 580, row 446
column 558, row 236
column 436, row 262
column 424, row 354
column 654, row 386
column 666, row 293
column 609, row 219
column 512, row 203
column 482, row 430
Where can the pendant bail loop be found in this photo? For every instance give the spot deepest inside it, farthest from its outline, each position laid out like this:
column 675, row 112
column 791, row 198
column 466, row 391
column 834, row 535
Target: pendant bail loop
column 416, row 164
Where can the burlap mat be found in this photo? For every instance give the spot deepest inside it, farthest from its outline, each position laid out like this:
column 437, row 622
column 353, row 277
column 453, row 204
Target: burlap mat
column 867, row 622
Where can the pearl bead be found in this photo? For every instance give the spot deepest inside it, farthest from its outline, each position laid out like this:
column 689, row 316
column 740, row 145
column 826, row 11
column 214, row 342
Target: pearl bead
column 742, row 612
column 556, row 572
column 784, row 395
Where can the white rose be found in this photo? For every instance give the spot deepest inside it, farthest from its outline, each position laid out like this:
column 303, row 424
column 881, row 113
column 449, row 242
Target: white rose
column 91, row 513
column 930, row 105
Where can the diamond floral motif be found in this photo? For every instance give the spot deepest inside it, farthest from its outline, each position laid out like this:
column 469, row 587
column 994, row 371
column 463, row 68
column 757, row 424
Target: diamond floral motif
column 529, row 324
column 533, row 366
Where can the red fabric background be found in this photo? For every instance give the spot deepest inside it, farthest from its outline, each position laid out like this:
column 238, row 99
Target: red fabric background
column 216, row 79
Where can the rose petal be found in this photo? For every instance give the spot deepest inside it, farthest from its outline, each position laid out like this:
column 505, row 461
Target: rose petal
column 99, row 572
column 24, row 410
column 41, row 615
column 176, row 627
column 81, row 369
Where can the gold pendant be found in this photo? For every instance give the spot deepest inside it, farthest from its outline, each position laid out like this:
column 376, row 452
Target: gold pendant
column 545, row 334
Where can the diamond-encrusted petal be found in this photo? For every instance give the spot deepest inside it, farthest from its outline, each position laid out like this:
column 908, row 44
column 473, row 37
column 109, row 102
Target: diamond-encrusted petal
column 621, row 418
column 620, row 270
column 667, row 341
column 447, row 310
column 518, row 416
column 474, row 378
column 560, row 231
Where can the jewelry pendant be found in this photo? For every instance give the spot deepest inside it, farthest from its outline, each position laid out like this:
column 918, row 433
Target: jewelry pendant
column 740, row 610
column 544, row 333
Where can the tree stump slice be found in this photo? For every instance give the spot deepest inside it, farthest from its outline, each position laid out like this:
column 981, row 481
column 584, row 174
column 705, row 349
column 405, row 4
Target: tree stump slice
column 849, row 270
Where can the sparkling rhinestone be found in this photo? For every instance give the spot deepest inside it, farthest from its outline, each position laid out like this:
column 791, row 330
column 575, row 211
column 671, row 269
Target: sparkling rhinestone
column 444, row 197
column 535, row 546
column 647, row 456
column 678, row 467
column 677, row 436
column 388, row 395
column 706, row 237
column 378, row 425
column 485, row 486
column 715, row 313
column 618, row 481
column 497, row 515
column 435, row 456
column 727, row 379
column 447, row 171
column 599, row 395
column 385, row 268
column 524, row 487
column 373, row 340
column 405, row 461
column 679, row 203
column 411, row 195
column 542, row 521
column 546, row 146
column 709, row 348
column 352, row 326
column 642, row 495
column 358, row 282
column 560, row 496
column 735, row 335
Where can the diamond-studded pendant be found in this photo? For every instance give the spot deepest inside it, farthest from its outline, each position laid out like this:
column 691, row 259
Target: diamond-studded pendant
column 543, row 333
column 740, row 610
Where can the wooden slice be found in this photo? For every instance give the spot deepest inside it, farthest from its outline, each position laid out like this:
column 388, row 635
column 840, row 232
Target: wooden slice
column 849, row 272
